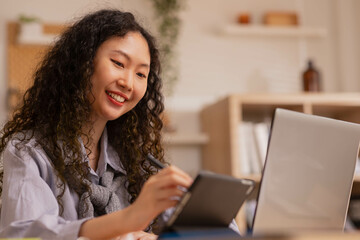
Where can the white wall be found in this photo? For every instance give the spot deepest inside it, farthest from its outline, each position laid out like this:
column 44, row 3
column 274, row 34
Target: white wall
column 348, row 44
column 213, row 65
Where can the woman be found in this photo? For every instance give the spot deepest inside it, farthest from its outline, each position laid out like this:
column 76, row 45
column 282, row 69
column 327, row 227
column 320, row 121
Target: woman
column 75, row 152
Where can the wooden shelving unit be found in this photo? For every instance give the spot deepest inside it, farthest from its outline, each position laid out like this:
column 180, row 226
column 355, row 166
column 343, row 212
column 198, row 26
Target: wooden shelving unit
column 273, row 31
column 221, row 120
column 22, row 60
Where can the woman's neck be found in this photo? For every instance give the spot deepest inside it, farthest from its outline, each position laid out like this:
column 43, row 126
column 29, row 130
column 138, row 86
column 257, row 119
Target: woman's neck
column 93, row 148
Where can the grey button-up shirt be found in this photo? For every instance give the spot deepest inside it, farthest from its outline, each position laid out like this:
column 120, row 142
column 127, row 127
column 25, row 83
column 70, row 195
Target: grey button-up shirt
column 30, row 187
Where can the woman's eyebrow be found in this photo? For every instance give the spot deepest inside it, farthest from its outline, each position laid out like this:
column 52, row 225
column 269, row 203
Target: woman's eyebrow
column 128, row 57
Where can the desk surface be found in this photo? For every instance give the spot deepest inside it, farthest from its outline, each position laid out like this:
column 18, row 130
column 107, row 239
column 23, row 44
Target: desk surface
column 218, row 235
column 312, row 236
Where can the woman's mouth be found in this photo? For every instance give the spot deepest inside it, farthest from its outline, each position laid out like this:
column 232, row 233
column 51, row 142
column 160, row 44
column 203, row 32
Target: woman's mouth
column 116, row 97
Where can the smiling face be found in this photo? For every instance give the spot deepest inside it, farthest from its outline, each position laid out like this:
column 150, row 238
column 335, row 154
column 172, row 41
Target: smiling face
column 121, row 69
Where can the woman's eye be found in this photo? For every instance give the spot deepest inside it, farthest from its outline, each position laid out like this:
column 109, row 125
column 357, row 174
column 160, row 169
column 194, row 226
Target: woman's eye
column 141, row 75
column 117, row 63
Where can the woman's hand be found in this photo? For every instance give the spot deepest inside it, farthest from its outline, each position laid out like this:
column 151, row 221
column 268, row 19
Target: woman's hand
column 159, row 193
column 140, row 235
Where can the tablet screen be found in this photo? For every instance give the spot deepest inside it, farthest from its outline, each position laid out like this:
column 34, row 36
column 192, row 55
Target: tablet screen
column 212, row 200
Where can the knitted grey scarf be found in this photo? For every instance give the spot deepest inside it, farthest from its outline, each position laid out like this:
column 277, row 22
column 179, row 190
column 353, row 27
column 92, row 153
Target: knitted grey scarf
column 103, row 198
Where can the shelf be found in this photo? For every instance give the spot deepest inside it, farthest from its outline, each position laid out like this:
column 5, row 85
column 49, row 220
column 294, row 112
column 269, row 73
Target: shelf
column 222, row 152
column 274, row 31
column 357, row 178
column 185, row 139
column 45, row 39
column 23, row 55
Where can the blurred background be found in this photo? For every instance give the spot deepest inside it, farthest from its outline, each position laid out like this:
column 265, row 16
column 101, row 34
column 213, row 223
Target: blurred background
column 221, row 48
column 216, row 48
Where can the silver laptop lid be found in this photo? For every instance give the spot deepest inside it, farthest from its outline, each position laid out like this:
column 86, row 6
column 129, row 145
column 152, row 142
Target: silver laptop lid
column 308, row 174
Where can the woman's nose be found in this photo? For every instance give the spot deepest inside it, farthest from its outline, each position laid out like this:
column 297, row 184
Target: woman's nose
column 126, row 81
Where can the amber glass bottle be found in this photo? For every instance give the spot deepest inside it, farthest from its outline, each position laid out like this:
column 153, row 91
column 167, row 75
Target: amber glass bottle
column 311, row 79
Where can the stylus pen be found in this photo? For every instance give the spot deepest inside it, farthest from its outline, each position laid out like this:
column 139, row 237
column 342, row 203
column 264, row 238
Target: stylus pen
column 155, row 161
column 160, row 165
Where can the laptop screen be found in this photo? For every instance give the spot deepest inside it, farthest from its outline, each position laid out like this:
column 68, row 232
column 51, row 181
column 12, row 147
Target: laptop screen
column 308, row 174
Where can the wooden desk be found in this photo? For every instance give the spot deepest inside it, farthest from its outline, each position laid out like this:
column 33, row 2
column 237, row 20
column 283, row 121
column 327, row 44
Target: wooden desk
column 218, row 235
column 312, row 236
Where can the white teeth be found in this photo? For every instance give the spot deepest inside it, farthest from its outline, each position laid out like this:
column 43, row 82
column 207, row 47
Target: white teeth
column 116, row 97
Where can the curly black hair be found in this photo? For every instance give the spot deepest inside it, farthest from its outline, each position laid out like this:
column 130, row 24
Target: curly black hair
column 57, row 106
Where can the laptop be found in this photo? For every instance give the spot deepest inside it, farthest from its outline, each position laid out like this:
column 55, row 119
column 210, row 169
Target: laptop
column 308, row 174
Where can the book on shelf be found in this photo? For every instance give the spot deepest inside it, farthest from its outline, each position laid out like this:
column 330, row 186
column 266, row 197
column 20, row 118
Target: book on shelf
column 243, row 153
column 253, row 140
column 357, row 168
column 261, row 134
column 250, row 206
column 248, row 151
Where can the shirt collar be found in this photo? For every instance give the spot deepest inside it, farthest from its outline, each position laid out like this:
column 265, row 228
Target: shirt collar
column 108, row 156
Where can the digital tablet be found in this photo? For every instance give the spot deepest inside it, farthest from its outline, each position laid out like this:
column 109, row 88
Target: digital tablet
column 213, row 200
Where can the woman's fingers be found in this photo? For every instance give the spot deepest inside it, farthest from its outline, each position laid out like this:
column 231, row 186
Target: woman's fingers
column 172, row 181
column 175, row 170
column 160, row 192
column 167, row 193
column 140, row 235
column 171, row 176
column 169, row 183
column 168, row 203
